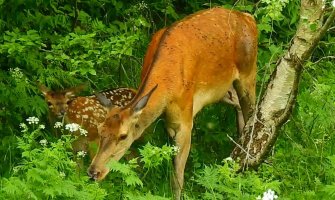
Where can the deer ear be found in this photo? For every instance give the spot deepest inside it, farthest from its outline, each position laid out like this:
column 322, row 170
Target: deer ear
column 71, row 92
column 143, row 101
column 103, row 99
column 43, row 89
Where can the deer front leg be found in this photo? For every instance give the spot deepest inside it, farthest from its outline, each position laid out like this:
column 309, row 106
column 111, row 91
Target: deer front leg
column 179, row 120
column 182, row 135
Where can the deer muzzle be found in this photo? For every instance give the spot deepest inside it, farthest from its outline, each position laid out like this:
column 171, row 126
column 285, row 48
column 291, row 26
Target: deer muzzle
column 96, row 173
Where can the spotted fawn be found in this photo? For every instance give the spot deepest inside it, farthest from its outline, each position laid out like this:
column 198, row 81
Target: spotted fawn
column 86, row 111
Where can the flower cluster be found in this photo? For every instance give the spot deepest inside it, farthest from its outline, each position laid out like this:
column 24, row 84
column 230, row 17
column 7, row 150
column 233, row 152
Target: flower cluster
column 175, row 149
column 44, row 142
column 268, row 195
column 58, row 125
column 33, row 120
column 142, row 5
column 24, row 127
column 73, row 127
column 81, row 154
column 83, row 132
column 62, row 174
column 16, row 73
column 229, row 159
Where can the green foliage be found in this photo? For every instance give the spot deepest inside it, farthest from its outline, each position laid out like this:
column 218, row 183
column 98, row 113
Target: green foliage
column 223, row 182
column 127, row 173
column 153, row 156
column 47, row 171
column 130, row 182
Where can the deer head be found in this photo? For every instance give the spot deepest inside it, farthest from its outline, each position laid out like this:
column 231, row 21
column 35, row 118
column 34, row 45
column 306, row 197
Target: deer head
column 119, row 130
column 58, row 101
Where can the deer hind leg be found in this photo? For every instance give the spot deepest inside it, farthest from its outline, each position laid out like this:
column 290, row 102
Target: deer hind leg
column 246, row 91
column 180, row 129
column 232, row 98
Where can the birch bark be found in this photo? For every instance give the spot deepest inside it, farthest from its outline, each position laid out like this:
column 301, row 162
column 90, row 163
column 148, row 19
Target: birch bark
column 273, row 110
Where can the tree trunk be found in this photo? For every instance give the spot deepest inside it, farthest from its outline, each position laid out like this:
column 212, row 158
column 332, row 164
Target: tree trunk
column 261, row 130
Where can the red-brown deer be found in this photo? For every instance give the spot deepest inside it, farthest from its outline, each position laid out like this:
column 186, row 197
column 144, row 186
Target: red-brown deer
column 188, row 65
column 86, row 111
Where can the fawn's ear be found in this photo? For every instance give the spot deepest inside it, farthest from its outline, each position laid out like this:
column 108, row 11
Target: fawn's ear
column 72, row 92
column 43, row 89
column 143, row 101
column 103, row 100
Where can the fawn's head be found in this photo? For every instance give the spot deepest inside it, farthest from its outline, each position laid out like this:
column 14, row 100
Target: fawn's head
column 119, row 130
column 58, row 101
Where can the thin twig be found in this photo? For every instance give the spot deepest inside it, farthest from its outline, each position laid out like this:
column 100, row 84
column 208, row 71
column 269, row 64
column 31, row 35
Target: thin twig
column 238, row 145
column 323, row 58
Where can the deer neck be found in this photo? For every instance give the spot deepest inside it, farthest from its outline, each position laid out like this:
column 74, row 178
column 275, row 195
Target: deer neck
column 154, row 108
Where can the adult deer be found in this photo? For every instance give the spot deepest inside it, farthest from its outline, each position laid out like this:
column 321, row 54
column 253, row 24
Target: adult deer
column 188, row 65
column 86, row 111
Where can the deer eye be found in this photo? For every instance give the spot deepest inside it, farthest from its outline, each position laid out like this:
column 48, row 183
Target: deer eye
column 68, row 102
column 116, row 116
column 103, row 137
column 123, row 137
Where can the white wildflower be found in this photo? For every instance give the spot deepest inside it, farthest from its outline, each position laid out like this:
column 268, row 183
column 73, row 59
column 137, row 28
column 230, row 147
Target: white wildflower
column 24, row 127
column 142, row 5
column 268, row 195
column 228, row 159
column 73, row 127
column 58, row 125
column 175, row 149
column 33, row 120
column 62, row 174
column 43, row 142
column 81, row 154
column 15, row 170
column 83, row 132
column 41, row 126
column 16, row 73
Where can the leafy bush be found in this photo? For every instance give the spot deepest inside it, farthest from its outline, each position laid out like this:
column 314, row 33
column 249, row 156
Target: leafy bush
column 47, row 170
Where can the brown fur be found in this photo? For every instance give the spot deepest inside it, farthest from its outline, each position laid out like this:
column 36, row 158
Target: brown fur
column 193, row 63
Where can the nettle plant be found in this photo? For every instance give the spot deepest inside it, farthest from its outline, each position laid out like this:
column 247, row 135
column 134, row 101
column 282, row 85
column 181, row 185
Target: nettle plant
column 47, row 169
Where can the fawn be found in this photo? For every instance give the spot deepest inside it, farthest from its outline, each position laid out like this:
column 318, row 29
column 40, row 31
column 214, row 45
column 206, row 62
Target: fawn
column 86, row 111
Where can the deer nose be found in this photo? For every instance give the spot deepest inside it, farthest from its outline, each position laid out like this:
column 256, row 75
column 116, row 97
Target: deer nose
column 62, row 111
column 93, row 173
